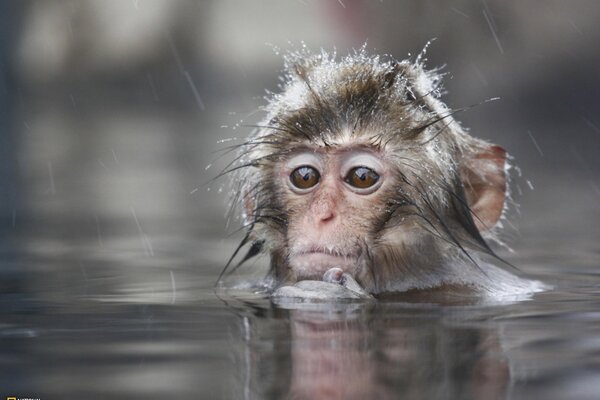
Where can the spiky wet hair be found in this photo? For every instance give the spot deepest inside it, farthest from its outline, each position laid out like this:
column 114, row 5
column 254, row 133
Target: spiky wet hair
column 392, row 105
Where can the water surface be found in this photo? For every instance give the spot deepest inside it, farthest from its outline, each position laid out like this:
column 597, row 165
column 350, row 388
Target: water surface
column 80, row 319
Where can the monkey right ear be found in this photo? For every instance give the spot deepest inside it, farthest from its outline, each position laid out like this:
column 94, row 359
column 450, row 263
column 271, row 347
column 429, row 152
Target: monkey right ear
column 483, row 174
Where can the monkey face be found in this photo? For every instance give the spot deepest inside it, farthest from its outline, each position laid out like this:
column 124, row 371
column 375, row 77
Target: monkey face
column 333, row 198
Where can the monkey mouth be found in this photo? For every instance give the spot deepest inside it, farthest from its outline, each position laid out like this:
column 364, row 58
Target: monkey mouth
column 312, row 263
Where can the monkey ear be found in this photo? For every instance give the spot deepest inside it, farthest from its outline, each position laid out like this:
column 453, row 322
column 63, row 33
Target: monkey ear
column 483, row 176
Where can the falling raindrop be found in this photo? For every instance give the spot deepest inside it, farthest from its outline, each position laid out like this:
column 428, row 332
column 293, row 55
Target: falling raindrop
column 535, row 143
column 173, row 288
column 52, row 188
column 529, row 184
column 488, row 18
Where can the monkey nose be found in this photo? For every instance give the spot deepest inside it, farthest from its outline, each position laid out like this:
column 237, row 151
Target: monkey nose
column 326, row 216
column 324, row 209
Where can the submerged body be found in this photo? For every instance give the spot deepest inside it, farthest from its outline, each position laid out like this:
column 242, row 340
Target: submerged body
column 359, row 170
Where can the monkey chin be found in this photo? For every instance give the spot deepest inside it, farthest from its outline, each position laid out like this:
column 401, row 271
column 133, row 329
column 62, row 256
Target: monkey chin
column 312, row 265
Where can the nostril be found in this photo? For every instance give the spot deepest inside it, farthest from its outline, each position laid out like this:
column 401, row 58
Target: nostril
column 325, row 217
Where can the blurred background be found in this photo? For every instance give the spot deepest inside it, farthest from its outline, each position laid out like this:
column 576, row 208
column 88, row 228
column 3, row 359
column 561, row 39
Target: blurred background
column 109, row 105
column 112, row 113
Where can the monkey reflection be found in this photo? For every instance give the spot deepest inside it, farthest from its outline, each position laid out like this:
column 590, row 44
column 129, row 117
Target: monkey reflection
column 359, row 166
column 361, row 356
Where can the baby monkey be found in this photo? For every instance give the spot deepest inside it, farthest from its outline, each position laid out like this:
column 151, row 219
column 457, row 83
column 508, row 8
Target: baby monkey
column 360, row 174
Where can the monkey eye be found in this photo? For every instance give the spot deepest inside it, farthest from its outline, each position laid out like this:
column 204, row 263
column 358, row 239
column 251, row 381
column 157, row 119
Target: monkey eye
column 305, row 177
column 361, row 177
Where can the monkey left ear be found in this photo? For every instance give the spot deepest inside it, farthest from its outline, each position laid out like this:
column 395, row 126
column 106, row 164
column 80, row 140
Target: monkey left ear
column 483, row 176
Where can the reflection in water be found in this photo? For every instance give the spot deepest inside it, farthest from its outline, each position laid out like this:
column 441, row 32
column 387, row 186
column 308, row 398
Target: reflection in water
column 115, row 334
column 377, row 352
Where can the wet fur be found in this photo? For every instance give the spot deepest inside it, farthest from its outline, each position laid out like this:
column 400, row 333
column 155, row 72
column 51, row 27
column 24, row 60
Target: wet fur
column 391, row 105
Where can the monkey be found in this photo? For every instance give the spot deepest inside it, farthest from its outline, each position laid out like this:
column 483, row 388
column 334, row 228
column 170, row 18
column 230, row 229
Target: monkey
column 359, row 182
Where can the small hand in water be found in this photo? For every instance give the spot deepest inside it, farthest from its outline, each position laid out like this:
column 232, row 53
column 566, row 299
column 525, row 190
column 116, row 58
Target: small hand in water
column 336, row 284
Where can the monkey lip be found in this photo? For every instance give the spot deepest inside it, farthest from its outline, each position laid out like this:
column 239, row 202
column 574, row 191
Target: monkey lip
column 313, row 263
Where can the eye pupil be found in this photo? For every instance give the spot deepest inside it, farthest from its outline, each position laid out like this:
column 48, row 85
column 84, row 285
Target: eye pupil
column 362, row 177
column 304, row 177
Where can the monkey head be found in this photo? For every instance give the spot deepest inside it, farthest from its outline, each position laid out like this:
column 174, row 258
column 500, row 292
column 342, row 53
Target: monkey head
column 358, row 165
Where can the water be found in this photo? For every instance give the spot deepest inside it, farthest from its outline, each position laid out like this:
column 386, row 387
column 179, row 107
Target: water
column 83, row 319
column 109, row 256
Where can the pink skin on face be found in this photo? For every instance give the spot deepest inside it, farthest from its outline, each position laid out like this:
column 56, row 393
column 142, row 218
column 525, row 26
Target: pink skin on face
column 325, row 230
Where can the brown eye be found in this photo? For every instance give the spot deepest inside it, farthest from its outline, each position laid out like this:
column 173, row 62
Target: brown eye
column 361, row 177
column 305, row 177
